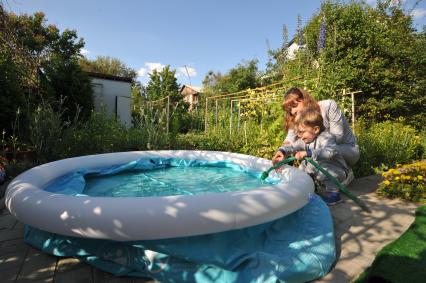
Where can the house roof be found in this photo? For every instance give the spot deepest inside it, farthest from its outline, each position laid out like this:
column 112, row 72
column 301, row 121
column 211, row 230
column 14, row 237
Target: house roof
column 109, row 77
column 194, row 88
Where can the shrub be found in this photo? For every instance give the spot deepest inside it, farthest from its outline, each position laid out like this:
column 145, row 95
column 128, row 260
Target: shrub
column 386, row 144
column 46, row 128
column 406, row 182
column 102, row 134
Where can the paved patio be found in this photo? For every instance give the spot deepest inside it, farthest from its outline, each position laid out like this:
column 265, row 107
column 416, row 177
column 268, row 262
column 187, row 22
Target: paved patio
column 359, row 236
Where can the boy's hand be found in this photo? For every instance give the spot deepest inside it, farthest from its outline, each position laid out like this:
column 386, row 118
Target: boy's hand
column 277, row 157
column 300, row 155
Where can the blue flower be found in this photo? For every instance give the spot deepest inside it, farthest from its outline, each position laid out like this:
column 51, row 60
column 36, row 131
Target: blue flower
column 322, row 34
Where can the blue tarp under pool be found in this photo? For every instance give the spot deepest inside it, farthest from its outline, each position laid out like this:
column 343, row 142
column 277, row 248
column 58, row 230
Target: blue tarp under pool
column 296, row 248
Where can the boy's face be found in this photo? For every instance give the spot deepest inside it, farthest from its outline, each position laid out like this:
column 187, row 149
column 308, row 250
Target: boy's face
column 306, row 133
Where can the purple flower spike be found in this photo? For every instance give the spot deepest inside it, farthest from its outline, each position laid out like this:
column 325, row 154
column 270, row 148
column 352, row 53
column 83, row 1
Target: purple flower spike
column 322, row 34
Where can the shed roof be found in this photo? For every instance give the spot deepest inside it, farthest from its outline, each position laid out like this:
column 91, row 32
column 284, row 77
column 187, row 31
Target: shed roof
column 109, row 77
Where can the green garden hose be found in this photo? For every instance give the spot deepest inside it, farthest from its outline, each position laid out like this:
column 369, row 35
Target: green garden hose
column 276, row 166
column 316, row 165
column 339, row 185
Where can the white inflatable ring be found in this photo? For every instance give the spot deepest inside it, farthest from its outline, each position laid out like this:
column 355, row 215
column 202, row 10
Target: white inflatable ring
column 147, row 218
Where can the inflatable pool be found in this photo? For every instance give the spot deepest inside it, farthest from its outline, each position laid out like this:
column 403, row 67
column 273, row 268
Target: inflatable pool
column 154, row 217
column 236, row 229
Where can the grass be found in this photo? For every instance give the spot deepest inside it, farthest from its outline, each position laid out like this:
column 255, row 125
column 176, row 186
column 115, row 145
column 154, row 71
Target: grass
column 403, row 260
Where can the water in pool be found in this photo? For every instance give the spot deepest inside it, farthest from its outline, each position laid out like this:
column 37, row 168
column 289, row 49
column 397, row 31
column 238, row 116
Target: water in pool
column 172, row 181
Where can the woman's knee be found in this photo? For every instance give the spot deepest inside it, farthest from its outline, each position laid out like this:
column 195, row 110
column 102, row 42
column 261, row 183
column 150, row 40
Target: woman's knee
column 350, row 153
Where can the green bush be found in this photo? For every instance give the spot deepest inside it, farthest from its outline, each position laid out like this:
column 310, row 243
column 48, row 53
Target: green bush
column 386, row 144
column 46, row 129
column 103, row 134
column 249, row 140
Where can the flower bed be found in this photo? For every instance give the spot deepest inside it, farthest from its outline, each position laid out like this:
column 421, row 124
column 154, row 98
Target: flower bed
column 405, row 181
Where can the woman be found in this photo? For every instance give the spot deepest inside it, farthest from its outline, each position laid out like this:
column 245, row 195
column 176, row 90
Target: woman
column 296, row 100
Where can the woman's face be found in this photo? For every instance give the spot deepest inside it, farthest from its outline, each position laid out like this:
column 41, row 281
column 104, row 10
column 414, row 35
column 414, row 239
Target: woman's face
column 296, row 107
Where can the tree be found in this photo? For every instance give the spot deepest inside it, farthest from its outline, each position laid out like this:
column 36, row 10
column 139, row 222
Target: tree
column 16, row 73
column 244, row 75
column 64, row 78
column 107, row 65
column 163, row 84
column 40, row 63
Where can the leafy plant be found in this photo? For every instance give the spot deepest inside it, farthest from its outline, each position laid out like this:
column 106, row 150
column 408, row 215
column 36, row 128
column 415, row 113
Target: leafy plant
column 406, row 182
column 46, row 129
column 386, row 144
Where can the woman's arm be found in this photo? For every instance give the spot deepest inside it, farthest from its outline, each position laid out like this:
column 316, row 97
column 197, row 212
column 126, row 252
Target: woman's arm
column 337, row 121
column 290, row 138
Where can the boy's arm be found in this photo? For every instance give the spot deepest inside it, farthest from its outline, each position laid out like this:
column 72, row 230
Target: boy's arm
column 326, row 148
column 292, row 148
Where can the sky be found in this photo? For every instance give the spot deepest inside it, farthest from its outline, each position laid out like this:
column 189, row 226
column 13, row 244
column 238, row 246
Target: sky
column 192, row 36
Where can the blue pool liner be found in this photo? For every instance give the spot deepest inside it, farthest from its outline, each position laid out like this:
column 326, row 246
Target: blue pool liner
column 74, row 183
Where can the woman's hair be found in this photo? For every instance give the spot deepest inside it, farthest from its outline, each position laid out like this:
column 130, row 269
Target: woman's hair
column 311, row 118
column 290, row 96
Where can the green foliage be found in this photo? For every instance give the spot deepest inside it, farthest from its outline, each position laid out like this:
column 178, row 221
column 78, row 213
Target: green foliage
column 11, row 84
column 151, row 125
column 386, row 144
column 102, row 134
column 138, row 94
column 244, row 75
column 249, row 138
column 65, row 78
column 46, row 130
column 406, row 182
column 163, row 84
column 107, row 65
column 38, row 62
column 375, row 50
column 99, row 134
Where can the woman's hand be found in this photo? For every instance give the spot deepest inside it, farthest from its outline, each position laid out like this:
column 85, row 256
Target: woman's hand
column 300, row 155
column 277, row 157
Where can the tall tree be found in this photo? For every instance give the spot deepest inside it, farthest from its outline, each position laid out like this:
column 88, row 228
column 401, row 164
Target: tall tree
column 162, row 84
column 43, row 64
column 107, row 65
column 244, row 75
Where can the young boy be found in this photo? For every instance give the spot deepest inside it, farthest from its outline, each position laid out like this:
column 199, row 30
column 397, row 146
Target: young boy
column 313, row 141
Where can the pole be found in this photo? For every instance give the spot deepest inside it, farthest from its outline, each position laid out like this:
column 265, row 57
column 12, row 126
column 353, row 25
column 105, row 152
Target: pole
column 239, row 114
column 206, row 114
column 245, row 131
column 216, row 115
column 353, row 112
column 230, row 121
column 168, row 113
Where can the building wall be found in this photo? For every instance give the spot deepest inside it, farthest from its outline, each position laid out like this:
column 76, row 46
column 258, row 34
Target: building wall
column 115, row 97
column 291, row 51
column 190, row 96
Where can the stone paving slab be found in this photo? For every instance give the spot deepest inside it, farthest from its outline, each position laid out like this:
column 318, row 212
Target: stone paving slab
column 359, row 237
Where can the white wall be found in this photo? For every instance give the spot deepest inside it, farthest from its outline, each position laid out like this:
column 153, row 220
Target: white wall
column 291, row 50
column 105, row 94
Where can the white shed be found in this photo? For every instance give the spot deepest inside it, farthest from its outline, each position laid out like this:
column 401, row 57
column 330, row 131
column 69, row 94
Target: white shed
column 114, row 94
